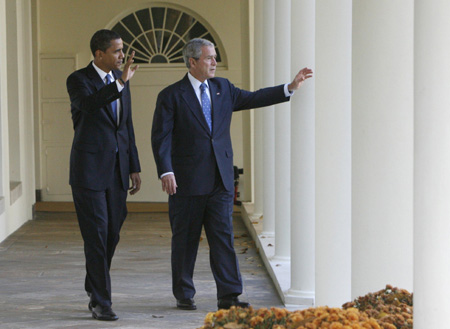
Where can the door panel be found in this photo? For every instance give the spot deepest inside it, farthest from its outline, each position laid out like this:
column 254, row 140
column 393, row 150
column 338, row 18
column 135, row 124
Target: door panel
column 57, row 173
column 56, row 127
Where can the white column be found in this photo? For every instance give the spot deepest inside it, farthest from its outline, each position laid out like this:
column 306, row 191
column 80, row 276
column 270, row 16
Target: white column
column 268, row 120
column 282, row 132
column 302, row 158
column 27, row 129
column 3, row 118
column 258, row 194
column 382, row 144
column 333, row 152
column 258, row 185
column 431, row 164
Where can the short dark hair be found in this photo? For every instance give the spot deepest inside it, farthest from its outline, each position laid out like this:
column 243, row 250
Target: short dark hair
column 101, row 40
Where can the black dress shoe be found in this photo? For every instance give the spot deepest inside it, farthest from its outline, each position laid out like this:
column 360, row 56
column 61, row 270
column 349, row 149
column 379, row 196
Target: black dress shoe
column 104, row 313
column 186, row 304
column 227, row 302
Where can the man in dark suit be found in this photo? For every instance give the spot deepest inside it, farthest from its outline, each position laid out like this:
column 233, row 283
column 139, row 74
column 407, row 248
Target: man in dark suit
column 103, row 159
column 194, row 158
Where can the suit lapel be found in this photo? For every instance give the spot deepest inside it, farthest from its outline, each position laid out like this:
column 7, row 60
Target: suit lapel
column 93, row 75
column 120, row 99
column 216, row 103
column 99, row 84
column 192, row 102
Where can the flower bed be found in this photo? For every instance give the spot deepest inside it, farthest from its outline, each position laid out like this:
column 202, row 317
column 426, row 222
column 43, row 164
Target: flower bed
column 390, row 308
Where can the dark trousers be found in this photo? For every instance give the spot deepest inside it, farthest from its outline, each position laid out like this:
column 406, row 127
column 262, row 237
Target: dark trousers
column 100, row 216
column 187, row 216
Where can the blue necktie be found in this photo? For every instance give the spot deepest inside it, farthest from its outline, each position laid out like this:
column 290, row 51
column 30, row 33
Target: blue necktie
column 206, row 105
column 113, row 103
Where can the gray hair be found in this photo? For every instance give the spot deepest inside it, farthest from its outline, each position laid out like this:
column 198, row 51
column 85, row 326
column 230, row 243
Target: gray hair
column 193, row 48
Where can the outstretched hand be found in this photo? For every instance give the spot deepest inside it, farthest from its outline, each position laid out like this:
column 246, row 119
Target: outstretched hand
column 128, row 71
column 301, row 76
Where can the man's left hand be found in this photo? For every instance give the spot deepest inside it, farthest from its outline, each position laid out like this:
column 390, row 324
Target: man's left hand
column 301, row 76
column 135, row 183
column 128, row 71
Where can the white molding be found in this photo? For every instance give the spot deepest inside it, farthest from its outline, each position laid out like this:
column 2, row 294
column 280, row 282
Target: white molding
column 279, row 270
column 15, row 191
column 2, row 205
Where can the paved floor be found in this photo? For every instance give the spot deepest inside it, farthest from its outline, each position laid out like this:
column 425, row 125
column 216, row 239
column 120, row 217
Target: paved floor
column 42, row 276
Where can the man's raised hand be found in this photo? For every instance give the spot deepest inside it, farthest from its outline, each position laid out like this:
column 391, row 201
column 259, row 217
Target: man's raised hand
column 301, row 76
column 128, row 71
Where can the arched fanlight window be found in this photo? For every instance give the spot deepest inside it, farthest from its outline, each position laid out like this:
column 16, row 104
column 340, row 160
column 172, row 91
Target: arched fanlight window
column 158, row 34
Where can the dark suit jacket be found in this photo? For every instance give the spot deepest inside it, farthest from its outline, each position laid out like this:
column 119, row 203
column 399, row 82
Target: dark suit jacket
column 97, row 136
column 182, row 142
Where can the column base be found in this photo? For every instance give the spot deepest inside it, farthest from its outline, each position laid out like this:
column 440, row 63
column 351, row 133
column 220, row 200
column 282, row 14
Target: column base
column 294, row 297
column 256, row 216
column 276, row 258
column 279, row 268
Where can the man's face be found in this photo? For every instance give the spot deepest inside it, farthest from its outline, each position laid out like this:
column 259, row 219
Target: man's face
column 112, row 58
column 204, row 67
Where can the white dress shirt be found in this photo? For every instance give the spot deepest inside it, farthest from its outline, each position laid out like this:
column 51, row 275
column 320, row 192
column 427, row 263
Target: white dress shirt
column 103, row 75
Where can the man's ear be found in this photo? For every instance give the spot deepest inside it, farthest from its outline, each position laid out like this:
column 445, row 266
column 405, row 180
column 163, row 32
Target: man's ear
column 98, row 53
column 192, row 62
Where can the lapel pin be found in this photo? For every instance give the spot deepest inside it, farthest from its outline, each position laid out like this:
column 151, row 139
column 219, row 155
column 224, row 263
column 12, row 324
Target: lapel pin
column 218, row 94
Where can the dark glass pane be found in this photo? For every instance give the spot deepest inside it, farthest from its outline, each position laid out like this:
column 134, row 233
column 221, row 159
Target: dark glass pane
column 197, row 31
column 210, row 38
column 158, row 35
column 177, row 54
column 218, row 58
column 178, row 47
column 158, row 17
column 185, row 22
column 125, row 49
column 139, row 53
column 144, row 18
column 144, row 42
column 167, row 36
column 151, row 38
column 171, row 18
column 138, row 47
column 132, row 24
column 158, row 59
column 139, row 61
column 127, row 37
column 175, row 39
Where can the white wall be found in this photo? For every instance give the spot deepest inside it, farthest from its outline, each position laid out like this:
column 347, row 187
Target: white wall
column 64, row 31
column 18, row 202
column 3, row 118
column 382, row 145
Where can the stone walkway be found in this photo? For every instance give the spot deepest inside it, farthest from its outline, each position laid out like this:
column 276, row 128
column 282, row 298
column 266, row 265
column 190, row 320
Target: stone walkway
column 42, row 276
